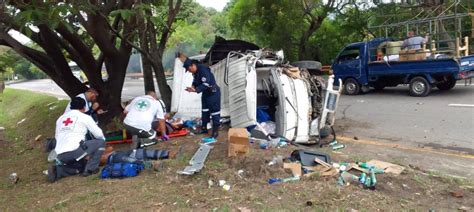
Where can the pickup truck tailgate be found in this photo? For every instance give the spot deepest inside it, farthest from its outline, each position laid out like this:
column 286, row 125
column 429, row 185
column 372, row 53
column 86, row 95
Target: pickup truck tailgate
column 466, row 68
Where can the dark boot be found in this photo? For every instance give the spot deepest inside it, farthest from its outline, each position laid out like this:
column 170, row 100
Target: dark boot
column 215, row 131
column 204, row 130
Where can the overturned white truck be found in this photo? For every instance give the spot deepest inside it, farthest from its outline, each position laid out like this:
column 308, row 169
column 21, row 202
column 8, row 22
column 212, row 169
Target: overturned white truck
column 297, row 101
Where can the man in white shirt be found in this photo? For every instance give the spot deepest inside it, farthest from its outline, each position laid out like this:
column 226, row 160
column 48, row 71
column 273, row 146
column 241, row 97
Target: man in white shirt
column 414, row 42
column 140, row 119
column 75, row 153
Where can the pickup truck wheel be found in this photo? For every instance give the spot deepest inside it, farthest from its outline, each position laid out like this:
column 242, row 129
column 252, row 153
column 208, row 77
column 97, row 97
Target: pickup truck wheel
column 446, row 85
column 351, row 87
column 419, row 87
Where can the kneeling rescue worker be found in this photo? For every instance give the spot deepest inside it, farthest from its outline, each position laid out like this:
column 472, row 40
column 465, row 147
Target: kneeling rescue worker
column 205, row 82
column 75, row 153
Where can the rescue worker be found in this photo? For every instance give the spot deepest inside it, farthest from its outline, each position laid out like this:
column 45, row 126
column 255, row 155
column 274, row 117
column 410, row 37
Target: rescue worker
column 92, row 106
column 75, row 154
column 140, row 119
column 205, row 82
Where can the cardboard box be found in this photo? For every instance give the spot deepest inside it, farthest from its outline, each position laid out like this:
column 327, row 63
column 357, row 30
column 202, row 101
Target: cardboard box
column 411, row 55
column 239, row 143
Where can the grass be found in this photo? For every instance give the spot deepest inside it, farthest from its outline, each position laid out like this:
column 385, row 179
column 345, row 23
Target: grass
column 17, row 105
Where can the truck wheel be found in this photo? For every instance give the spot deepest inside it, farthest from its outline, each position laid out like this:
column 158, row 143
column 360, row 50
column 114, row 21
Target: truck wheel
column 419, row 87
column 351, row 87
column 446, row 85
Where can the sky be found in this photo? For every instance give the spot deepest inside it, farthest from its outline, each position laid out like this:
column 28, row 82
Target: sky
column 216, row 4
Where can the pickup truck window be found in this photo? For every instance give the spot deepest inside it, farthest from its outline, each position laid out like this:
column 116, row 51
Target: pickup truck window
column 351, row 53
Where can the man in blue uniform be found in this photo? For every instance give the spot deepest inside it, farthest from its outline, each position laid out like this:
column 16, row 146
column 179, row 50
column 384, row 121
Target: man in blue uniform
column 205, row 82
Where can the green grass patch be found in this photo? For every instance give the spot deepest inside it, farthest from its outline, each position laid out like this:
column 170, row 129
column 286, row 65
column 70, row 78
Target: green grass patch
column 38, row 111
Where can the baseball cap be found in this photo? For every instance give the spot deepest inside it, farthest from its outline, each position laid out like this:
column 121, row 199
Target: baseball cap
column 187, row 63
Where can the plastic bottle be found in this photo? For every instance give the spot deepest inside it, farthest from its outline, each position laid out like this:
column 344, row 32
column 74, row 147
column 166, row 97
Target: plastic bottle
column 339, row 146
column 373, row 180
column 362, row 178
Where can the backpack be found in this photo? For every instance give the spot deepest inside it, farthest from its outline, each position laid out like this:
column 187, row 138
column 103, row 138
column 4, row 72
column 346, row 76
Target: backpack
column 121, row 170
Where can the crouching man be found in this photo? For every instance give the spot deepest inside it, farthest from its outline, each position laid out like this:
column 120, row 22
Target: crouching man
column 75, row 154
column 140, row 120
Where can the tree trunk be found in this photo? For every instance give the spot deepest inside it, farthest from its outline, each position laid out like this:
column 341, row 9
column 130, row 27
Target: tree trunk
column 165, row 90
column 148, row 75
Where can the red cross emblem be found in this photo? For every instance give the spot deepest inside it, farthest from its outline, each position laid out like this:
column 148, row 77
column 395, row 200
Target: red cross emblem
column 67, row 122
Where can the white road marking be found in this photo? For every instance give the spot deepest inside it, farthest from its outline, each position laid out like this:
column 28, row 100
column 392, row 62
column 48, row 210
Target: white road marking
column 460, row 105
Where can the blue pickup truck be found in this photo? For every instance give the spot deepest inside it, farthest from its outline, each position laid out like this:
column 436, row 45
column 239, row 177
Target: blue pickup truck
column 359, row 68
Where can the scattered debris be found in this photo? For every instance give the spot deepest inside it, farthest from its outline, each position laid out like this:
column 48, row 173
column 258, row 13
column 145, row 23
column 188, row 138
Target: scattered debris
column 338, row 146
column 307, row 158
column 244, row 209
column 2, row 128
column 53, row 107
column 210, row 183
column 226, row 187
column 356, row 138
column 282, row 180
column 405, row 186
column 38, row 137
column 238, row 142
column 419, row 103
column 387, row 167
column 14, row 178
column 197, row 161
column 21, row 121
column 457, row 194
column 294, row 167
column 309, row 203
column 464, row 208
column 276, row 160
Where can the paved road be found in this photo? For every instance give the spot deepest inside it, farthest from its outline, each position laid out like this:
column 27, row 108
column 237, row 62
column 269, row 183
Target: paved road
column 394, row 116
column 132, row 88
column 389, row 115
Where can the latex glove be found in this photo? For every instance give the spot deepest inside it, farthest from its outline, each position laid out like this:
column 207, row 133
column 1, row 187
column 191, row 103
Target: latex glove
column 165, row 137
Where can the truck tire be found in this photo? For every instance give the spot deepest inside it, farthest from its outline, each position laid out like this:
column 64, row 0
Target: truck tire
column 419, row 87
column 446, row 85
column 351, row 87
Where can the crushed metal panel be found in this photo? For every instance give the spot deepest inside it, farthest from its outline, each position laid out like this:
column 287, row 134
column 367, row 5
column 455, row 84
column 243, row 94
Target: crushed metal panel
column 183, row 102
column 243, row 91
column 303, row 110
column 197, row 161
column 218, row 70
column 290, row 111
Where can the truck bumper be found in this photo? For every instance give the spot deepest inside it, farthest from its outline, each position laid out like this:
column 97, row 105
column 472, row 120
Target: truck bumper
column 465, row 75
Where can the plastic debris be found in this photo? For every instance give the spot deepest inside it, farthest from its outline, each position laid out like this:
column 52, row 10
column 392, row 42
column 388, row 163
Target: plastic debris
column 13, row 178
column 208, row 140
column 338, row 146
column 210, row 183
column 276, row 160
column 226, row 187
column 221, row 183
column 284, row 180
